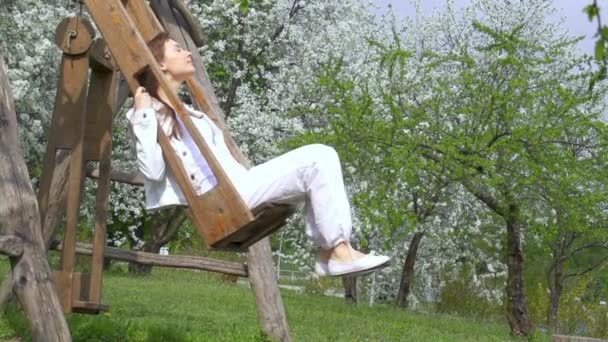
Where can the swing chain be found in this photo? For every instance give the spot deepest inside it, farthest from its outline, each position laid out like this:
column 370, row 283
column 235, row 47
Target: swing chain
column 72, row 34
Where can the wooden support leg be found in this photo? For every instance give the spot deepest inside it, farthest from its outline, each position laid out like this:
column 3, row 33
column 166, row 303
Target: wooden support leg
column 67, row 132
column 48, row 167
column 68, row 255
column 99, row 141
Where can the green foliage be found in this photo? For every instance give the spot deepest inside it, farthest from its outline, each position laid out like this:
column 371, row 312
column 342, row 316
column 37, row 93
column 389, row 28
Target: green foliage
column 460, row 296
column 579, row 315
column 501, row 108
column 319, row 286
column 601, row 44
column 538, row 302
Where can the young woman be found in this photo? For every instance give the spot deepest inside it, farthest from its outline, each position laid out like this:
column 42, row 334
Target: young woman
column 310, row 174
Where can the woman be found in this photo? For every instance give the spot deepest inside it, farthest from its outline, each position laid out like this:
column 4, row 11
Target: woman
column 310, row 174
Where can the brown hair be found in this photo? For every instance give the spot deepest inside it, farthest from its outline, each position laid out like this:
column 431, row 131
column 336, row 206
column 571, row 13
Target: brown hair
column 147, row 80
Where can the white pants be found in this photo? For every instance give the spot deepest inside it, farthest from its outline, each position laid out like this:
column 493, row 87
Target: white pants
column 310, row 174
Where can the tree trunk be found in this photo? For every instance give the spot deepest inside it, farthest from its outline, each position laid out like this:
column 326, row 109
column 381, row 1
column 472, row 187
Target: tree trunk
column 165, row 227
column 555, row 280
column 555, row 294
column 408, row 271
column 517, row 307
column 350, row 289
column 142, row 269
column 19, row 216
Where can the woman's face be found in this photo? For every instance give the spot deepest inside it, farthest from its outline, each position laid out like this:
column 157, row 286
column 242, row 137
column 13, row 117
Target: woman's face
column 177, row 61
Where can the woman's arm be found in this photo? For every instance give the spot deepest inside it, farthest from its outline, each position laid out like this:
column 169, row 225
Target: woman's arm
column 143, row 127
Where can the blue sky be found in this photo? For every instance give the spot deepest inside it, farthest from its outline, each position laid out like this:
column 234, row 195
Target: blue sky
column 572, row 10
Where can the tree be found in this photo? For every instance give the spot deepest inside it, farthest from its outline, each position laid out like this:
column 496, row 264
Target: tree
column 574, row 231
column 510, row 135
column 502, row 89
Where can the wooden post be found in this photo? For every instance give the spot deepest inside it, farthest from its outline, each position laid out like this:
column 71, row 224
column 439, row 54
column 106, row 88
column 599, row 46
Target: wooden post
column 265, row 286
column 98, row 147
column 19, row 216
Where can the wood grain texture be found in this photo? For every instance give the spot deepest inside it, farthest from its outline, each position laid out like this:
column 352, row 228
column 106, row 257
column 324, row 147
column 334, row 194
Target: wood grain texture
column 218, row 212
column 135, row 179
column 176, row 261
column 98, row 138
column 11, row 245
column 143, row 18
column 19, row 215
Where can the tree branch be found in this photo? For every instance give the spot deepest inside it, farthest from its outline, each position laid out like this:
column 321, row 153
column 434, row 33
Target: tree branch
column 587, row 270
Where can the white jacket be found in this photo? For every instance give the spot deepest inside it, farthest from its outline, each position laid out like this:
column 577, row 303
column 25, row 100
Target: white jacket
column 160, row 185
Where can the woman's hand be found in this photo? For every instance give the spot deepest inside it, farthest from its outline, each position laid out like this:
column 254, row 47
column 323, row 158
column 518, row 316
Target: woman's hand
column 142, row 99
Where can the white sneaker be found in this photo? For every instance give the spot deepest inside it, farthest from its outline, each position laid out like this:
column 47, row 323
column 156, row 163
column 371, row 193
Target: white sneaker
column 367, row 264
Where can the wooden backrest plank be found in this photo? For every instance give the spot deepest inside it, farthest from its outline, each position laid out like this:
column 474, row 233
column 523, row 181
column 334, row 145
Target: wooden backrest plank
column 124, row 42
column 144, row 19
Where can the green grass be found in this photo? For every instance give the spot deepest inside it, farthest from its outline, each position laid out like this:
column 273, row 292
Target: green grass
column 175, row 305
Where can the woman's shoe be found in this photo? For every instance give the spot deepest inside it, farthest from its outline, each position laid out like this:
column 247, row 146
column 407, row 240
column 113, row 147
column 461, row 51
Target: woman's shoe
column 361, row 266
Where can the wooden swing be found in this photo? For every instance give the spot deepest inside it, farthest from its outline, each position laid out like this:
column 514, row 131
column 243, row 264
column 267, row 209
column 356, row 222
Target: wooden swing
column 221, row 215
column 82, row 123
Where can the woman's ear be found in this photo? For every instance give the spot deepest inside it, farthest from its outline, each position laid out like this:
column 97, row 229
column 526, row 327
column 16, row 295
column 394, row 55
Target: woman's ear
column 163, row 66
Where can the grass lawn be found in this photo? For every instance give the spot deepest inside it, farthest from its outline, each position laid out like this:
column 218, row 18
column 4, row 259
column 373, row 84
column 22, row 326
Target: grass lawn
column 176, row 305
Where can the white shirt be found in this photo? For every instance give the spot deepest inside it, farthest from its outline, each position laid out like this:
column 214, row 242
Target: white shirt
column 160, row 185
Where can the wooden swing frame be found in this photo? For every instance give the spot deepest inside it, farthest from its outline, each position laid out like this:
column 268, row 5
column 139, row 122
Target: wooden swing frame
column 82, row 123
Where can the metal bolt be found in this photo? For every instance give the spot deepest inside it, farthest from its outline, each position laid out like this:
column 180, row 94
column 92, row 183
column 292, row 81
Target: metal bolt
column 71, row 35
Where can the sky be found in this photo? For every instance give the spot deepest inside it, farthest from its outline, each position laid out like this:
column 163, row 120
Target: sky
column 576, row 21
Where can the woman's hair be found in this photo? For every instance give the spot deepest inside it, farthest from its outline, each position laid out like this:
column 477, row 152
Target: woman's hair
column 147, row 80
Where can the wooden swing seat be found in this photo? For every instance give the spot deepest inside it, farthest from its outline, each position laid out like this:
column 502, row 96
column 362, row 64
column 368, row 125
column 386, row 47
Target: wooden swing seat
column 268, row 216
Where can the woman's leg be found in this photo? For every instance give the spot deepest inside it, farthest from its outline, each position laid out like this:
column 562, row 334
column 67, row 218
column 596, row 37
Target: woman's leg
column 311, row 175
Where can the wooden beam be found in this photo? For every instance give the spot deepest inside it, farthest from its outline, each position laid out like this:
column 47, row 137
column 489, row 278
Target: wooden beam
column 11, row 245
column 175, row 261
column 143, row 18
column 136, row 179
column 194, row 28
column 100, row 56
column 98, row 146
